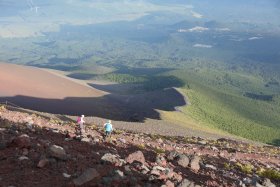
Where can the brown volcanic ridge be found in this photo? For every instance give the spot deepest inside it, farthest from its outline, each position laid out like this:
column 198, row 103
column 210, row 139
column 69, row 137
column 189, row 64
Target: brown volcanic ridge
column 35, row 82
column 42, row 90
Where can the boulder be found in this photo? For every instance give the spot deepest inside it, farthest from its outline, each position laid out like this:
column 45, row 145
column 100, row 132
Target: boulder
column 110, row 158
column 86, row 176
column 172, row 155
column 195, row 163
column 183, row 160
column 136, row 156
column 57, row 152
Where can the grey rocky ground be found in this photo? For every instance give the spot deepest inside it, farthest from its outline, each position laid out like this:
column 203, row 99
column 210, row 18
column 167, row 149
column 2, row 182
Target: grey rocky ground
column 40, row 151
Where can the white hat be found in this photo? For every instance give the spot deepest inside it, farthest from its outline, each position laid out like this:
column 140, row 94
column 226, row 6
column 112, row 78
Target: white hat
column 83, row 116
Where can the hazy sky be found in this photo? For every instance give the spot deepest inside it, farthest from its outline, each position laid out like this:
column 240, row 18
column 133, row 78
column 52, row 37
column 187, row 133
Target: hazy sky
column 24, row 18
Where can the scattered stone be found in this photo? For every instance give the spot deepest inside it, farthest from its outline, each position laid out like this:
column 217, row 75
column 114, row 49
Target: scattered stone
column 186, row 183
column 25, row 152
column 160, row 140
column 57, row 152
column 168, row 184
column 159, row 168
column 214, row 148
column 169, row 173
column 110, row 158
column 177, row 177
column 86, row 140
column 172, row 155
column 183, row 160
column 122, row 140
column 155, row 172
column 136, row 156
column 202, row 142
column 268, row 183
column 87, row 176
column 118, row 174
column 160, row 160
column 22, row 141
column 23, row 158
column 210, row 166
column 42, row 163
column 96, row 140
column 195, row 163
column 66, row 175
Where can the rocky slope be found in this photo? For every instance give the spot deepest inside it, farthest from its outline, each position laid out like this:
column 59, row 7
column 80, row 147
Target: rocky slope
column 40, row 151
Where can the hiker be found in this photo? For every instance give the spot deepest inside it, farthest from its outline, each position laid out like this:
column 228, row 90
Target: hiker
column 108, row 129
column 81, row 122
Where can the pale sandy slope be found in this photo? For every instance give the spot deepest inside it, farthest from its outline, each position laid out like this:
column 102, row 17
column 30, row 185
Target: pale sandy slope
column 35, row 82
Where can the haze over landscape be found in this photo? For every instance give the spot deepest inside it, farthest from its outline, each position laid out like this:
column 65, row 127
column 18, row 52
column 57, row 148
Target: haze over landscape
column 192, row 88
column 128, row 56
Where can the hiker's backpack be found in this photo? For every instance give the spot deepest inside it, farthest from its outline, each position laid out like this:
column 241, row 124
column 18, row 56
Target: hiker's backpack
column 79, row 120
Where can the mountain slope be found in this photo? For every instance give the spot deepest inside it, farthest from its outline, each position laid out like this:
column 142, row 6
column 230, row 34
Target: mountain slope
column 46, row 152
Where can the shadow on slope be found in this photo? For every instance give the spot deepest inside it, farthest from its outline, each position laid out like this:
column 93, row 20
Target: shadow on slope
column 113, row 106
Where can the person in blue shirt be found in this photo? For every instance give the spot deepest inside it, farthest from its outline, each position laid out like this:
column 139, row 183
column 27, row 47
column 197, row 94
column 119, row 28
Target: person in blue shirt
column 108, row 128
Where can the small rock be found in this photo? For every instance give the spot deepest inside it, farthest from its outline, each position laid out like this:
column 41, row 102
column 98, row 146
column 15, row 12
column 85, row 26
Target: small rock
column 143, row 167
column 23, row 158
column 177, row 177
column 168, row 184
column 160, row 160
column 202, row 142
column 66, row 175
column 25, row 152
column 160, row 140
column 122, row 140
column 169, row 173
column 96, row 140
column 87, row 176
column 210, row 166
column 136, row 156
column 85, row 140
column 172, row 155
column 268, row 183
column 195, row 163
column 155, row 172
column 214, row 148
column 22, row 141
column 183, row 160
column 57, row 152
column 185, row 183
column 247, row 181
column 159, row 168
column 42, row 163
column 29, row 125
column 152, row 177
column 110, row 158
column 118, row 174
